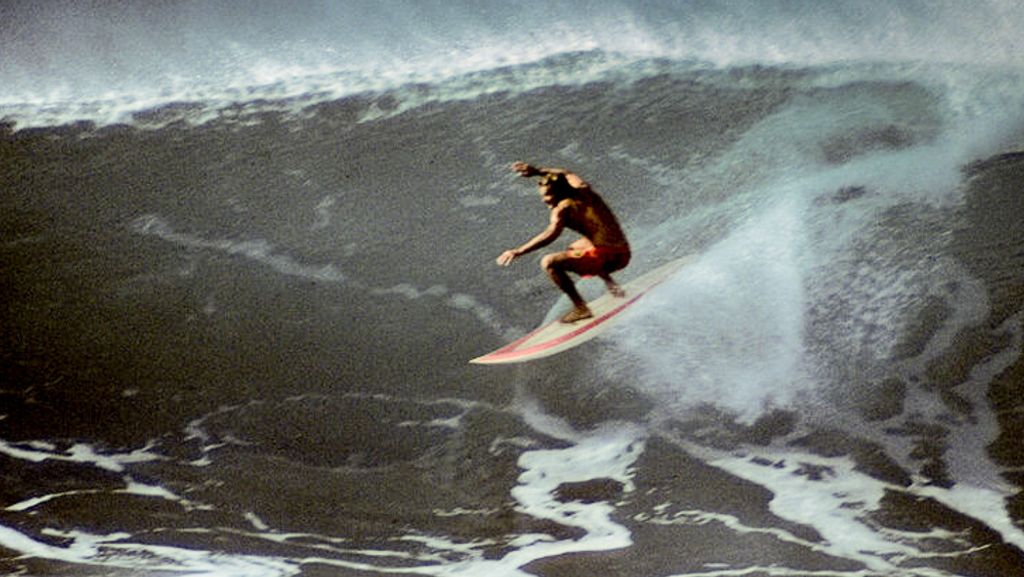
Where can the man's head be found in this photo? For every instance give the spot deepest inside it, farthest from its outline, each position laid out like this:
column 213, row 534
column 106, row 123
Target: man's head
column 554, row 188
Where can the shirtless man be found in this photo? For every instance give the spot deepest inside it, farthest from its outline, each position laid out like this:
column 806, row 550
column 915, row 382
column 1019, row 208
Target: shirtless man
column 602, row 250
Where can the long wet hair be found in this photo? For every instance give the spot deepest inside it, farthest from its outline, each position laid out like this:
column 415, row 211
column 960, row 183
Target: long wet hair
column 559, row 185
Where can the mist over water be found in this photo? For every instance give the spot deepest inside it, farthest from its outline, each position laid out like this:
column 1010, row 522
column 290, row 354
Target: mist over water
column 838, row 240
column 102, row 62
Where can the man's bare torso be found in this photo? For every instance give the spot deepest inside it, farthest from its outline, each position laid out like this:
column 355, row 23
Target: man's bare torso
column 588, row 215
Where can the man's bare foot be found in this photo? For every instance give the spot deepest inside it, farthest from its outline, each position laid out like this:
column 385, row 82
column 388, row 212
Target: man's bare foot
column 577, row 314
column 613, row 287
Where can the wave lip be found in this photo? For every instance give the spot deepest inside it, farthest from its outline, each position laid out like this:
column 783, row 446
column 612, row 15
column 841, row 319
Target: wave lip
column 82, row 67
column 383, row 95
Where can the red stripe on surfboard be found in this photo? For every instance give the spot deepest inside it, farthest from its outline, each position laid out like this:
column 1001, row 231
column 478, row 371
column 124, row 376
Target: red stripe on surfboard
column 512, row 350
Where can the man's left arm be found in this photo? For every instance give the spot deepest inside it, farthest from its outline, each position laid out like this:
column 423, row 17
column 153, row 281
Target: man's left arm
column 546, row 237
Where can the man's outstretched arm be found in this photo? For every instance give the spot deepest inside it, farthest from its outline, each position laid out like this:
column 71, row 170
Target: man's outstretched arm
column 572, row 178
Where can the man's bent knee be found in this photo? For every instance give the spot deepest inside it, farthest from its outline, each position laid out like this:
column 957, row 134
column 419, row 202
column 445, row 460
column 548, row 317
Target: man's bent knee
column 550, row 262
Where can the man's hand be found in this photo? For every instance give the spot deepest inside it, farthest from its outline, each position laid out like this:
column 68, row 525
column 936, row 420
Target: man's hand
column 525, row 169
column 507, row 257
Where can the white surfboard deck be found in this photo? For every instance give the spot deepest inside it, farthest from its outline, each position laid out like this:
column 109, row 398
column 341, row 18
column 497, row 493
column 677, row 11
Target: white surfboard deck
column 556, row 336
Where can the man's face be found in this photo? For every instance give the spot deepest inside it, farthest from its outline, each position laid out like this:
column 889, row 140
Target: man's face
column 546, row 195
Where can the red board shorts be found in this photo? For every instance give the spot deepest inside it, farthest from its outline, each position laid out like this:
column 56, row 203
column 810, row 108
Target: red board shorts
column 598, row 260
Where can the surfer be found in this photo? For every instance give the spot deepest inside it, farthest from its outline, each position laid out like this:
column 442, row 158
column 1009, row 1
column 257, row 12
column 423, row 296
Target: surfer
column 574, row 205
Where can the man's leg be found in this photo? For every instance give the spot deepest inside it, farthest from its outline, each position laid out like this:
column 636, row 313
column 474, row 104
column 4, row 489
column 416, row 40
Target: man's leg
column 558, row 265
column 617, row 261
column 613, row 287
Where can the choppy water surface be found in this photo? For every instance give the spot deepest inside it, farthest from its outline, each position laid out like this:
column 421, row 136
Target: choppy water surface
column 247, row 257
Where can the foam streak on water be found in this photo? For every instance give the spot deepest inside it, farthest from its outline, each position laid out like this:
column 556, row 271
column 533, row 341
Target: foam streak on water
column 830, row 495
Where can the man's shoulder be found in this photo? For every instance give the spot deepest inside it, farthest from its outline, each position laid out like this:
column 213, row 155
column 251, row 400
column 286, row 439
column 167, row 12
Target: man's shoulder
column 570, row 204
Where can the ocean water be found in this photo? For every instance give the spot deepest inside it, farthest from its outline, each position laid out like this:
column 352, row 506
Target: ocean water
column 247, row 251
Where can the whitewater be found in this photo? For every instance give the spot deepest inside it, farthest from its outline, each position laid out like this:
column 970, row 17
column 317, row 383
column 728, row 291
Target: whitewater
column 248, row 250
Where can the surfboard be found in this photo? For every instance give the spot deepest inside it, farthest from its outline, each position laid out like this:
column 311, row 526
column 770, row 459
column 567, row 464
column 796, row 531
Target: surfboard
column 556, row 336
